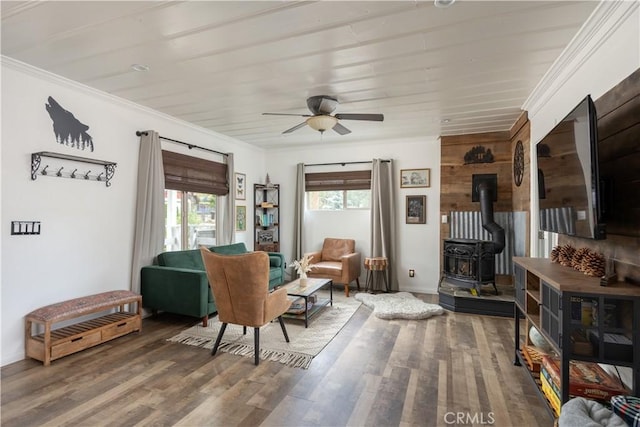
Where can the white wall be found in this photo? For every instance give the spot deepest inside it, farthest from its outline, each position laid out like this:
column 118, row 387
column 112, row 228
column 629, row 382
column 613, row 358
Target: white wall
column 418, row 245
column 87, row 228
column 604, row 53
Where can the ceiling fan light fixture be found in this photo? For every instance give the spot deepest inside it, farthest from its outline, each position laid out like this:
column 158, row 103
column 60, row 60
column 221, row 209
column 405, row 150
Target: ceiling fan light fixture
column 322, row 122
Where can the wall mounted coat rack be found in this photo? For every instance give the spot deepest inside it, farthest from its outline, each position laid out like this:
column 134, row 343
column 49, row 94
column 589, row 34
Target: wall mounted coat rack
column 72, row 172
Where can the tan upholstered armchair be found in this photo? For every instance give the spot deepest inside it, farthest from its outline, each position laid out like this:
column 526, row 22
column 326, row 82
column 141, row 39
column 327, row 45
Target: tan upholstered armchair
column 338, row 261
column 240, row 287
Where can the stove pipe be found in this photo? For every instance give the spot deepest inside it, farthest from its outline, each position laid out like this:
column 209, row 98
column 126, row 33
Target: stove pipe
column 488, row 223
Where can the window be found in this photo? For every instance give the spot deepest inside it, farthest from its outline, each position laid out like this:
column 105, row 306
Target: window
column 338, row 200
column 338, row 190
column 192, row 187
column 191, row 224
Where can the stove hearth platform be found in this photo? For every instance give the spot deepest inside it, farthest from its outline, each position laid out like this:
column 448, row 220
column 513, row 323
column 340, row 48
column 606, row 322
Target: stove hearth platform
column 461, row 300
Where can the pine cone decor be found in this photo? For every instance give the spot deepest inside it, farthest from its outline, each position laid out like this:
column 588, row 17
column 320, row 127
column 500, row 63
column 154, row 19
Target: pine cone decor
column 555, row 254
column 578, row 255
column 566, row 254
column 593, row 264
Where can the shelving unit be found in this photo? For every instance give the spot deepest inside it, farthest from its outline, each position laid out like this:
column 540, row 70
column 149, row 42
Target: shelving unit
column 580, row 319
column 267, row 217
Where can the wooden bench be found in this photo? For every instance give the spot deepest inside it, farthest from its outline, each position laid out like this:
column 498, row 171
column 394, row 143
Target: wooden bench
column 53, row 344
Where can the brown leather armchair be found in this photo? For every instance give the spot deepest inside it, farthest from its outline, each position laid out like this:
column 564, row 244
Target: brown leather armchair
column 338, row 261
column 240, row 287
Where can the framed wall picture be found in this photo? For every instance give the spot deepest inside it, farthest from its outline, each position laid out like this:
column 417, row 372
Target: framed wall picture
column 416, row 209
column 241, row 186
column 415, row 178
column 241, row 218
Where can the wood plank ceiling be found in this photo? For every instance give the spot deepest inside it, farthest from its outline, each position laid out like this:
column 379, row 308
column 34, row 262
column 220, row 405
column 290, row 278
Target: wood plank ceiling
column 431, row 71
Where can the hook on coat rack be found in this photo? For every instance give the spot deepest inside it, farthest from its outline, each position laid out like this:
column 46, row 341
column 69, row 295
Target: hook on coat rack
column 44, row 170
column 73, row 174
column 59, row 173
column 86, row 175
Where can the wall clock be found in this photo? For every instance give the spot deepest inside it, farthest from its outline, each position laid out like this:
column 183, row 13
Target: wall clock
column 518, row 163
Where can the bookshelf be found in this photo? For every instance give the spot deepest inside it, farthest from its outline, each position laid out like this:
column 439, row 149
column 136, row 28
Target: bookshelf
column 267, row 217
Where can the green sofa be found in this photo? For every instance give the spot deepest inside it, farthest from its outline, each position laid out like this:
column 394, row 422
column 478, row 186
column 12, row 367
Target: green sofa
column 178, row 282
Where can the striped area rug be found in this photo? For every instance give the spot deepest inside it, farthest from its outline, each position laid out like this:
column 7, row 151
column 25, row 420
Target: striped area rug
column 304, row 345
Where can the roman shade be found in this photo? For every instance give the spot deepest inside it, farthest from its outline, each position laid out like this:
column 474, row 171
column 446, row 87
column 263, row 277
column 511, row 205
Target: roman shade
column 329, row 181
column 186, row 173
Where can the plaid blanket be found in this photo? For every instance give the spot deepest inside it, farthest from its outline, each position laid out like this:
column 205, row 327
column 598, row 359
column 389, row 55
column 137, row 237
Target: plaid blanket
column 627, row 408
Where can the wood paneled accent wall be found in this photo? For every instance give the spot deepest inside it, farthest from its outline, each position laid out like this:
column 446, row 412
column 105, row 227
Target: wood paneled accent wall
column 456, row 177
column 618, row 117
column 520, row 196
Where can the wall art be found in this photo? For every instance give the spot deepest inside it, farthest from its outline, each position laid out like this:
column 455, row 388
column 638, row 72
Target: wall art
column 415, row 178
column 241, row 185
column 241, row 218
column 416, row 210
column 478, row 154
column 68, row 130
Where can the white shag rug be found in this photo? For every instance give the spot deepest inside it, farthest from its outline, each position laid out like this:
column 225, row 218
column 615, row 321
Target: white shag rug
column 399, row 305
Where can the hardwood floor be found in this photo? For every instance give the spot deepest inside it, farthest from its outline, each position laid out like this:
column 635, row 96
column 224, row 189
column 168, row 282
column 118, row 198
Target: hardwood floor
column 454, row 369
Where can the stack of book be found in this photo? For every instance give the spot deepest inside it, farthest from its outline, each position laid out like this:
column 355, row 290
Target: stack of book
column 266, row 220
column 297, row 306
column 586, row 379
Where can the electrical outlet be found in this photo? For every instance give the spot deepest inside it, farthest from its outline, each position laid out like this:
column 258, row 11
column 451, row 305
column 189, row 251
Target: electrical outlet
column 412, row 273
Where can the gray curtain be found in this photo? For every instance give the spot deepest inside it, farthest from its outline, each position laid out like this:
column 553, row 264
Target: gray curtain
column 228, row 232
column 148, row 238
column 298, row 214
column 383, row 217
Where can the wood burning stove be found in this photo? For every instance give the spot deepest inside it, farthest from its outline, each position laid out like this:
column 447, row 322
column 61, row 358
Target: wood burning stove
column 469, row 263
column 472, row 263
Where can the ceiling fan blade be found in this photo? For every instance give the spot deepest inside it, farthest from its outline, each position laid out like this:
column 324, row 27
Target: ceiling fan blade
column 341, row 129
column 356, row 116
column 286, row 114
column 296, row 127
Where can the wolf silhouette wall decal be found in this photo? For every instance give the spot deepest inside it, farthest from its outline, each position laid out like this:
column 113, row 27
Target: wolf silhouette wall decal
column 68, row 129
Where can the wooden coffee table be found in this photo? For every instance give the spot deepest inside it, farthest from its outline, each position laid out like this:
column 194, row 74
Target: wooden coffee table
column 305, row 290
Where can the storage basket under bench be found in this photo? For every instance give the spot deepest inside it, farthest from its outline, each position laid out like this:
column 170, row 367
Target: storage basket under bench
column 53, row 344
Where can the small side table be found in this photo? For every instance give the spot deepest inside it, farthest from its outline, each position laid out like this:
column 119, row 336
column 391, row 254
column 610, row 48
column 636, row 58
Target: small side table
column 376, row 265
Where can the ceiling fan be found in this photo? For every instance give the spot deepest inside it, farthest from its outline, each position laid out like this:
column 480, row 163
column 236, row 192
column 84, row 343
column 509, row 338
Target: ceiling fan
column 322, row 106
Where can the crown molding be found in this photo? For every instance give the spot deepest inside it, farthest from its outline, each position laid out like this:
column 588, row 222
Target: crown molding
column 113, row 99
column 603, row 22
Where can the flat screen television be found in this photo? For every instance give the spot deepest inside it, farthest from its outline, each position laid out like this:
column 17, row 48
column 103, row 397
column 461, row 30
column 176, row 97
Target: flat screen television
column 568, row 179
column 619, row 168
